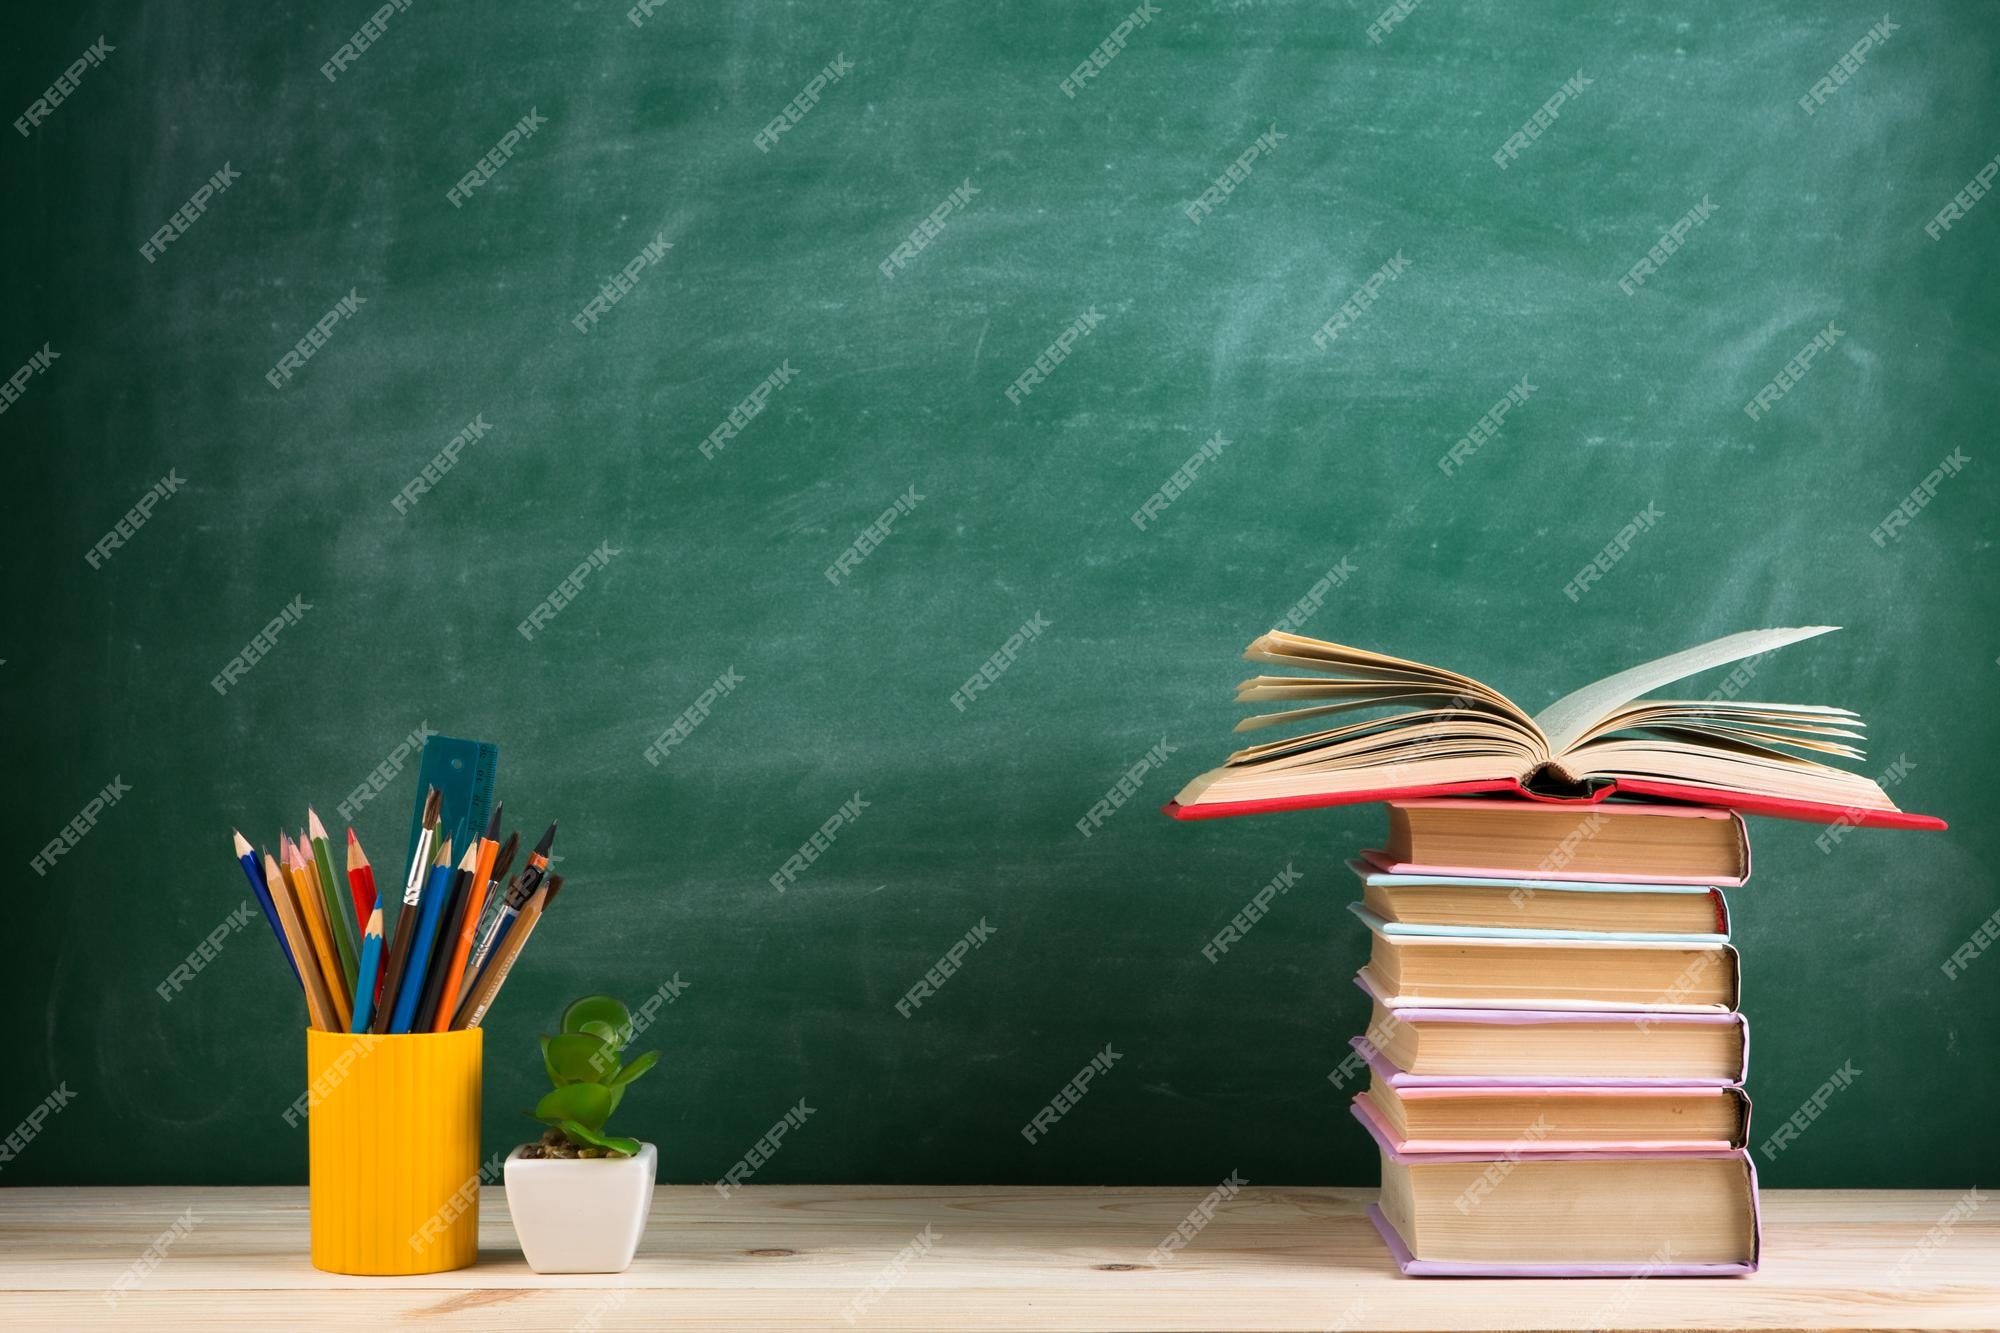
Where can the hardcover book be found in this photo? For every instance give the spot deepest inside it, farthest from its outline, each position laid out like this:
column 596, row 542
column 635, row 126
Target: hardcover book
column 1448, row 734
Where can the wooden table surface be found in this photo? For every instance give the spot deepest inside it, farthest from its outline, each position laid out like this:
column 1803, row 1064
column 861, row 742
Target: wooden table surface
column 1000, row 1258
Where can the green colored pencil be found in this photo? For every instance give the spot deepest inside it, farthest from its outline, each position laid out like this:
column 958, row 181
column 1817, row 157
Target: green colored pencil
column 339, row 907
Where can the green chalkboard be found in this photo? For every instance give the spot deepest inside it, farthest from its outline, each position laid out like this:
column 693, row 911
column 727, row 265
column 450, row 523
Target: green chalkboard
column 756, row 435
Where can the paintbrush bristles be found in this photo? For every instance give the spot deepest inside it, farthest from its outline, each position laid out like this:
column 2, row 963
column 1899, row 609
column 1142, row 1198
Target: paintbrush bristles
column 432, row 804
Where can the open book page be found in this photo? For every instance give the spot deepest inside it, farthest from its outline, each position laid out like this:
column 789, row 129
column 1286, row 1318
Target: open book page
column 1566, row 720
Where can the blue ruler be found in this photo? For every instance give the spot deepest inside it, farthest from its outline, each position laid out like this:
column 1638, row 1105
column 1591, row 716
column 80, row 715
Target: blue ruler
column 463, row 772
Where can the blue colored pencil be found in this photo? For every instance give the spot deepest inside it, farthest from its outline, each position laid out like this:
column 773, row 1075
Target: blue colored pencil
column 411, row 989
column 371, row 960
column 255, row 874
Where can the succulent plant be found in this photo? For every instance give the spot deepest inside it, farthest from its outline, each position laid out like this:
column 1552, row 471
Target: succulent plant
column 583, row 1062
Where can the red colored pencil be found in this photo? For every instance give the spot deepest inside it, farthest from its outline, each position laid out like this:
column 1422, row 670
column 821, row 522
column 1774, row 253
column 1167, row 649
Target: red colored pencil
column 361, row 882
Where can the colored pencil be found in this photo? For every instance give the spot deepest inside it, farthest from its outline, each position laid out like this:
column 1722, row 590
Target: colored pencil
column 518, row 893
column 360, row 877
column 496, row 893
column 371, row 963
column 464, row 926
column 312, row 911
column 406, row 917
column 504, row 954
column 410, row 989
column 339, row 911
column 319, row 1005
column 451, row 913
column 255, row 874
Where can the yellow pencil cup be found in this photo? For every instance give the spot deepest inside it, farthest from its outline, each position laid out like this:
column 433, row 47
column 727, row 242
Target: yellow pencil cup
column 395, row 1151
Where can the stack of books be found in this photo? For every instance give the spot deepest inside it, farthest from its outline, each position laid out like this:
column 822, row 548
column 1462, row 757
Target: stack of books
column 1555, row 1053
column 1555, row 1057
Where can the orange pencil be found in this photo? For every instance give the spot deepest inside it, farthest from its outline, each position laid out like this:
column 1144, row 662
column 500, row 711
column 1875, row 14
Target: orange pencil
column 312, row 910
column 319, row 1006
column 468, row 923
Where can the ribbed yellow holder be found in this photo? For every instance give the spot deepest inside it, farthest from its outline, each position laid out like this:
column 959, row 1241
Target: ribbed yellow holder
column 395, row 1151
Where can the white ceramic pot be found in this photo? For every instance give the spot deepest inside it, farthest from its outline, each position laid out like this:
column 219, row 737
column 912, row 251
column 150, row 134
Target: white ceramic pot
column 582, row 1215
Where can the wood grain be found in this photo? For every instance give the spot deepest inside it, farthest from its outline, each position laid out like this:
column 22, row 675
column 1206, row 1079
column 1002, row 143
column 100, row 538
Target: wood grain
column 1017, row 1258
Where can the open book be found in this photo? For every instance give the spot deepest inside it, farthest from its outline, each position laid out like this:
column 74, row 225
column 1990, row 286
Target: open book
column 1451, row 735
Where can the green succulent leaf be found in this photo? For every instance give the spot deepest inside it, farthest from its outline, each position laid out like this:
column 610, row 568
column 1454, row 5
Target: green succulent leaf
column 588, row 1104
column 634, row 1069
column 584, row 1134
column 578, row 1057
column 600, row 1009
